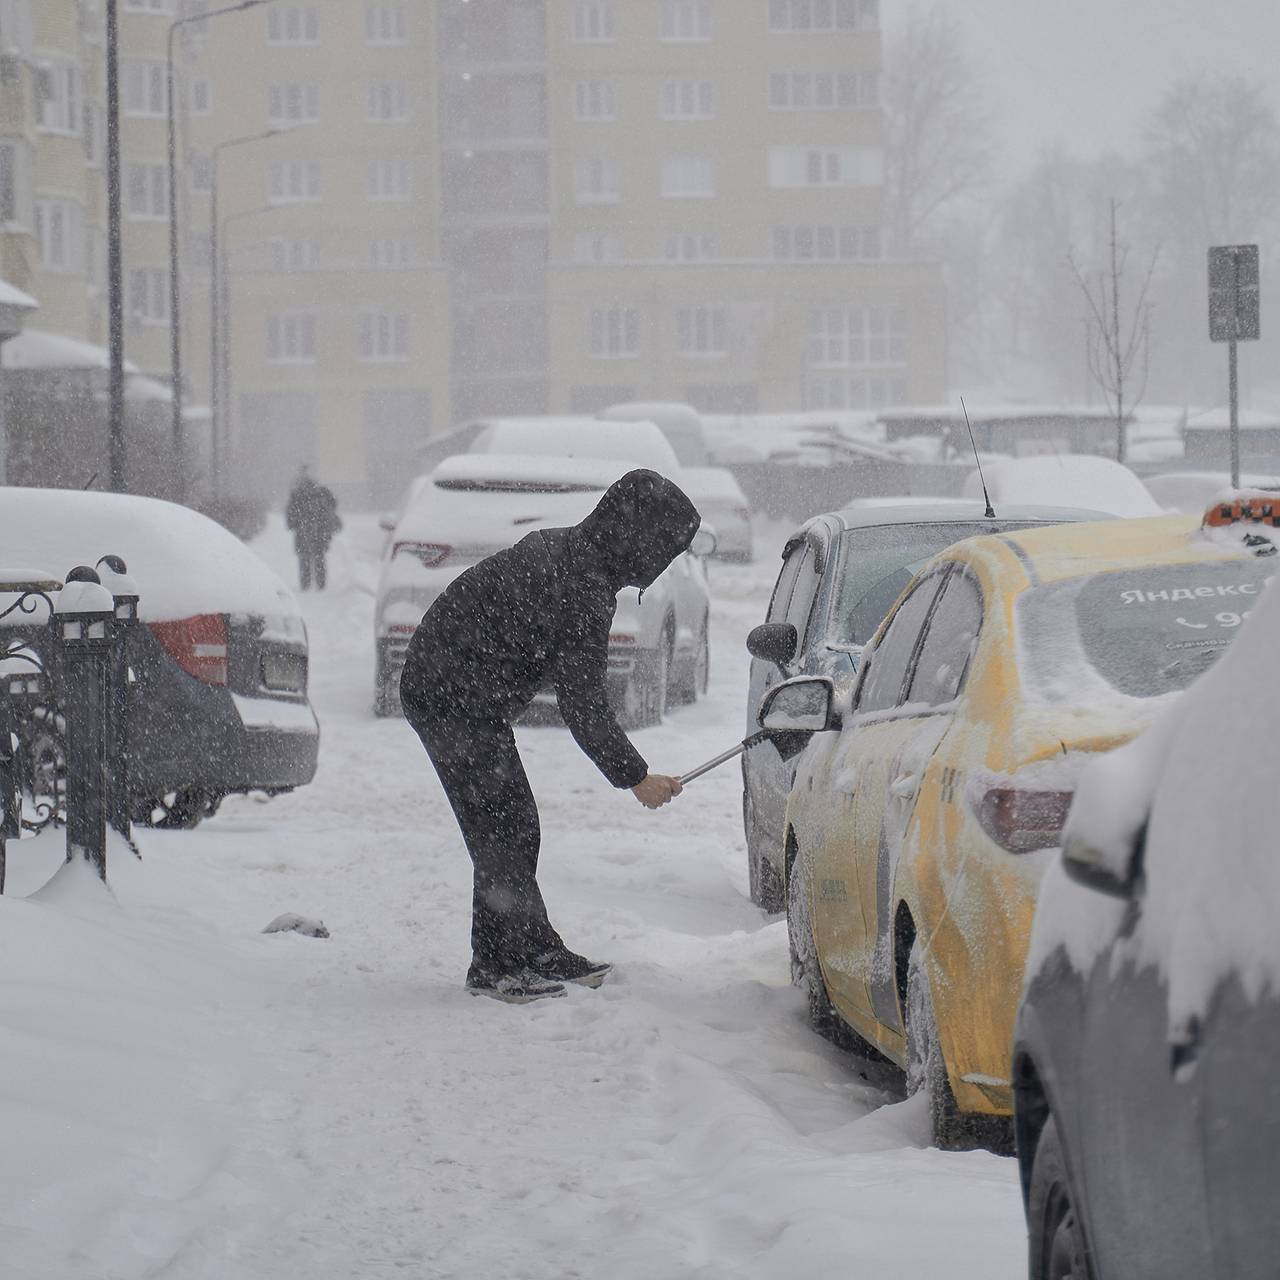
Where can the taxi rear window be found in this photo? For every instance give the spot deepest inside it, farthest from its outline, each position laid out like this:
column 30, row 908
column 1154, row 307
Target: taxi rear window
column 1140, row 632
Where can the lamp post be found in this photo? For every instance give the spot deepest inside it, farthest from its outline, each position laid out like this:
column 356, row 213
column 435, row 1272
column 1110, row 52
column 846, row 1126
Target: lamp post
column 215, row 355
column 115, row 577
column 115, row 259
column 220, row 373
column 175, row 289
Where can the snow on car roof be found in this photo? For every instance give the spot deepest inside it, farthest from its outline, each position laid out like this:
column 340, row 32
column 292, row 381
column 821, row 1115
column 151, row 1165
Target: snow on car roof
column 1101, row 484
column 863, row 513
column 551, row 471
column 711, row 484
column 184, row 563
column 640, row 444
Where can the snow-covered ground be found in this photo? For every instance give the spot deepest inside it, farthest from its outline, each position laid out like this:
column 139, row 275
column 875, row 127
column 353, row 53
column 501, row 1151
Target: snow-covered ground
column 184, row 1096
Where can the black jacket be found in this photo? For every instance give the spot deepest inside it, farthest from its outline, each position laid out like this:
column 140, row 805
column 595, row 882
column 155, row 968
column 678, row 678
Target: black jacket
column 540, row 612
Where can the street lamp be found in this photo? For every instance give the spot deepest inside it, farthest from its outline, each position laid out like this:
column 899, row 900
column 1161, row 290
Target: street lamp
column 214, row 274
column 175, row 290
column 220, row 328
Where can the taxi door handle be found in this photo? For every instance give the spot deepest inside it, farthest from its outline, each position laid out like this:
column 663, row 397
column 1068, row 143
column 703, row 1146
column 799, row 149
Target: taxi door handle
column 905, row 786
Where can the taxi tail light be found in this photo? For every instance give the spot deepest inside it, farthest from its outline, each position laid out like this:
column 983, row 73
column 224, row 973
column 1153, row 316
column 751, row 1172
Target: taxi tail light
column 198, row 645
column 429, row 554
column 1022, row 820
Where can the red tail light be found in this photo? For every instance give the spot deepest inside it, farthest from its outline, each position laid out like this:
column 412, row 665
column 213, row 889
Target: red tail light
column 1021, row 821
column 430, row 554
column 618, row 638
column 198, row 645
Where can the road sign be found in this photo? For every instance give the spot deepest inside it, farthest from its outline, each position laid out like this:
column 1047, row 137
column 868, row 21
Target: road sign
column 1234, row 312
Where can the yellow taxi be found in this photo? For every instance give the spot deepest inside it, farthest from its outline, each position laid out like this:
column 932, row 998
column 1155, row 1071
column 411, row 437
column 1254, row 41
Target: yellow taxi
column 924, row 810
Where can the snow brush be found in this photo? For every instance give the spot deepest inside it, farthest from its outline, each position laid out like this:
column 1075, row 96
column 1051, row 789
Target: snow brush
column 725, row 756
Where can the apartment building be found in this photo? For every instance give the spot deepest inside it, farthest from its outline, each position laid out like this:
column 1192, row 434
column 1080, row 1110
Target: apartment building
column 336, row 304
column 706, row 178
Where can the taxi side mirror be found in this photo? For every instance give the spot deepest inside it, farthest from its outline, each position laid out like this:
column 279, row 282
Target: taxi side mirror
column 1113, row 872
column 805, row 705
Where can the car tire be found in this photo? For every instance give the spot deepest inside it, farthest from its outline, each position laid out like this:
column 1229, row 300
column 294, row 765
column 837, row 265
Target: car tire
column 1055, row 1237
column 926, row 1067
column 180, row 810
column 695, row 682
column 644, row 697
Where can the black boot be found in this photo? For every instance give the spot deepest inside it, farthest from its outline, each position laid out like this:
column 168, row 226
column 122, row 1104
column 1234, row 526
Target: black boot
column 522, row 986
column 562, row 965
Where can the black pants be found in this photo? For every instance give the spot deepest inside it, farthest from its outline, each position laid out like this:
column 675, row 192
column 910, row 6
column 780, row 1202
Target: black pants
column 311, row 564
column 484, row 778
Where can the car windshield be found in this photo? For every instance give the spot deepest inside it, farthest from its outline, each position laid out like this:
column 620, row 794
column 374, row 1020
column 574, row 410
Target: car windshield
column 878, row 562
column 1138, row 632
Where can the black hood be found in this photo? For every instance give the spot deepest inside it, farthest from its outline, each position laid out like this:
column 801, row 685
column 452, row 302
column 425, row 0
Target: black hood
column 639, row 527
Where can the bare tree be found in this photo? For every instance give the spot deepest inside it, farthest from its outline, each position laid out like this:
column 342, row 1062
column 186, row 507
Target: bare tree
column 938, row 148
column 1119, row 344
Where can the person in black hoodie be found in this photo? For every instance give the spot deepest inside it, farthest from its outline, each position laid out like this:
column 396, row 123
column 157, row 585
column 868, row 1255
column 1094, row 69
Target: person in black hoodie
column 535, row 614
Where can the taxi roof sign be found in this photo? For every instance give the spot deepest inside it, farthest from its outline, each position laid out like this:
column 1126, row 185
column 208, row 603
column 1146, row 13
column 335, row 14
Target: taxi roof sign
column 1252, row 506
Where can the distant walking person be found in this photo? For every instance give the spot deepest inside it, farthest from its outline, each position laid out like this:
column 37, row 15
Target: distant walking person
column 312, row 515
column 533, row 616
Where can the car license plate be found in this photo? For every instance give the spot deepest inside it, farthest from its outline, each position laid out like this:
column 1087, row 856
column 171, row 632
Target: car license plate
column 286, row 672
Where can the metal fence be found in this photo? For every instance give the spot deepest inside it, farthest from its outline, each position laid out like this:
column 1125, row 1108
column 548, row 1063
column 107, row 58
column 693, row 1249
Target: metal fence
column 65, row 685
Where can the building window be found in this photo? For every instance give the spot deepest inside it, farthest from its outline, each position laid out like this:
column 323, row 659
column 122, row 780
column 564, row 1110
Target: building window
column 201, row 96
column 686, row 19
column 388, row 102
column 700, row 332
column 146, row 192
column 59, row 97
column 148, row 6
column 687, row 247
column 294, row 255
column 593, row 22
column 803, row 16
column 293, row 24
column 850, row 337
column 841, row 391
column 390, row 252
column 594, row 100
column 15, row 185
column 386, row 24
column 390, row 178
column 823, row 90
column 200, row 167
column 615, row 333
column 293, row 103
column 688, row 177
column 148, row 294
column 145, row 91
column 595, row 180
column 595, row 247
column 59, row 234
column 293, row 181
column 291, row 338
column 384, row 339
column 688, row 100
column 825, row 167
column 827, row 244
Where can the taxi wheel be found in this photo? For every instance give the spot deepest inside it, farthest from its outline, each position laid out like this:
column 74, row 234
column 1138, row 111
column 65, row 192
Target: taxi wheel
column 1056, row 1242
column 926, row 1069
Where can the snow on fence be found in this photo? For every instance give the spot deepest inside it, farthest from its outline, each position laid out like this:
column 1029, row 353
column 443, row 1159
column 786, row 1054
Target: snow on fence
column 64, row 689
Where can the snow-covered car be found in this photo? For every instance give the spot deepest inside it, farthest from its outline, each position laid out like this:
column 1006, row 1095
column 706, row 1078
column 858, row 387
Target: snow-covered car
column 918, row 834
column 1192, row 491
column 1146, row 1092
column 840, row 574
column 680, row 423
column 1082, row 480
column 476, row 504
column 220, row 701
column 640, row 442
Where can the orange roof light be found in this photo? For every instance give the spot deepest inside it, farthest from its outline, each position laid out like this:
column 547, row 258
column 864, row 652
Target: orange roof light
column 1250, row 506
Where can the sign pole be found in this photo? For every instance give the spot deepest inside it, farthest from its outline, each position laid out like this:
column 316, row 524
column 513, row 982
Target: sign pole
column 1233, row 378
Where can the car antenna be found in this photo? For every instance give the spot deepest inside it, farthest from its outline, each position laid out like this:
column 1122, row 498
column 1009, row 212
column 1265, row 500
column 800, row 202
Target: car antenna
column 990, row 511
